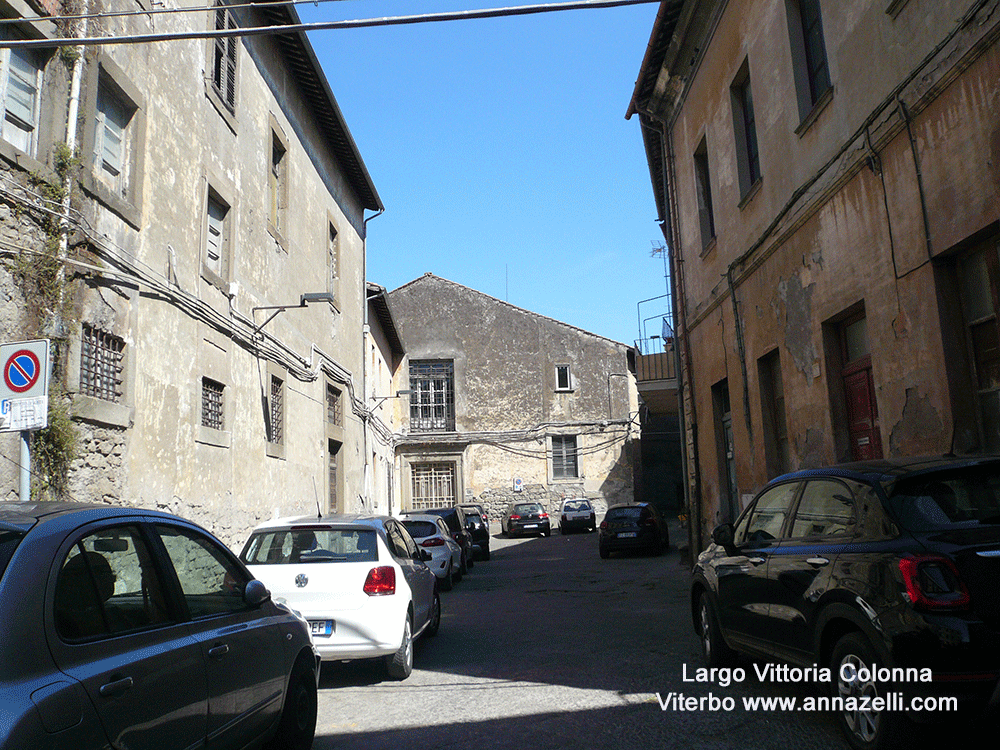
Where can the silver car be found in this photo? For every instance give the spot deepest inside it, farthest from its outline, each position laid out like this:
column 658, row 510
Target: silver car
column 431, row 534
column 132, row 628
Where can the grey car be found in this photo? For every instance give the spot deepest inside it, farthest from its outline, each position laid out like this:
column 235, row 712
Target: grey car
column 132, row 628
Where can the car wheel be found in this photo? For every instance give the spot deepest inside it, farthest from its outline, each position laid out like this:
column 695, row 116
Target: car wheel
column 434, row 623
column 604, row 553
column 400, row 664
column 865, row 729
column 546, row 533
column 447, row 583
column 713, row 648
column 298, row 717
column 562, row 530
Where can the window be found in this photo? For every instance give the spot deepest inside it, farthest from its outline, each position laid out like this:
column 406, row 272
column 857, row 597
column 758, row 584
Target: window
column 333, row 466
column 980, row 291
column 433, row 485
column 860, row 402
column 767, row 519
column 21, row 81
column 210, row 582
column 101, row 364
column 432, row 398
column 112, row 145
column 224, row 58
column 334, row 406
column 826, row 509
column 772, row 404
column 725, row 445
column 703, row 185
column 810, row 68
column 276, row 411
column 217, row 232
column 212, row 412
column 564, row 457
column 745, row 127
column 333, row 260
column 564, row 379
column 276, row 184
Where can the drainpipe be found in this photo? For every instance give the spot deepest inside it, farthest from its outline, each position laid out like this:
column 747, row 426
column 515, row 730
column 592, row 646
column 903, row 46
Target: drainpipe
column 365, row 331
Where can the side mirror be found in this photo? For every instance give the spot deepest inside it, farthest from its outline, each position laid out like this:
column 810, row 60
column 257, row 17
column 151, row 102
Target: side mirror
column 256, row 593
column 724, row 536
column 424, row 555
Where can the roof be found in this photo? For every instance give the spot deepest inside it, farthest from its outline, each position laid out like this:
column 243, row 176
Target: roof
column 301, row 59
column 431, row 277
column 656, row 51
column 380, row 304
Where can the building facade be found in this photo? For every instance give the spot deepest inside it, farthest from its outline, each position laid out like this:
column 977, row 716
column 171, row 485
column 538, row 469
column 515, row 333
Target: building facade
column 185, row 219
column 504, row 404
column 827, row 175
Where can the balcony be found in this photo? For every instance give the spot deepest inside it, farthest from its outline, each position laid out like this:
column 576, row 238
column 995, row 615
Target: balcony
column 656, row 377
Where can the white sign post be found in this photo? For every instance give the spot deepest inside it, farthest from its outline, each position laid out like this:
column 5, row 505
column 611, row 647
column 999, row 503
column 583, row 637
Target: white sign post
column 24, row 397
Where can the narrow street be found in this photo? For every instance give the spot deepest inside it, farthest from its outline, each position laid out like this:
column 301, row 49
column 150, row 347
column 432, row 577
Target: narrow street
column 548, row 646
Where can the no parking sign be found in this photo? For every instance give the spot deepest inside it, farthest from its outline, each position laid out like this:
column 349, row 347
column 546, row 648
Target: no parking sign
column 24, row 388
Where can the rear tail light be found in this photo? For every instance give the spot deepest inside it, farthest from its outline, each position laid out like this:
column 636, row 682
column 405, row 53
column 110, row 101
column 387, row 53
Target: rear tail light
column 515, row 518
column 647, row 521
column 543, row 515
column 381, row 581
column 434, row 541
column 604, row 525
column 932, row 582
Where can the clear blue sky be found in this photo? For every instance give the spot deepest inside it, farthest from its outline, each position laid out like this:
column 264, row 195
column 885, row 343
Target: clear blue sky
column 502, row 154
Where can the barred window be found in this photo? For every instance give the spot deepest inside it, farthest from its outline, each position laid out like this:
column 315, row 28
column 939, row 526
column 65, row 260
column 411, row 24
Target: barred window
column 432, row 401
column 334, row 406
column 101, row 364
column 276, row 433
column 433, row 485
column 212, row 414
column 564, row 464
column 333, row 456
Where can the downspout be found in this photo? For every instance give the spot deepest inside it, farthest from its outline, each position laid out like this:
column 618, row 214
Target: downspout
column 73, row 114
column 365, row 332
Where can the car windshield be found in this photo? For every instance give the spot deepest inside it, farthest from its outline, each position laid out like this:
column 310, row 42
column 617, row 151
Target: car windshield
column 969, row 497
column 310, row 545
column 420, row 529
column 9, row 540
column 528, row 508
column 616, row 514
column 576, row 505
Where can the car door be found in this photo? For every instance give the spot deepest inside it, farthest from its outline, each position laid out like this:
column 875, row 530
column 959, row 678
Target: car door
column 743, row 587
column 113, row 627
column 418, row 576
column 240, row 644
column 800, row 567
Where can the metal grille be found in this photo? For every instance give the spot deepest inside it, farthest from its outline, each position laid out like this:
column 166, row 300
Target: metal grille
column 101, row 357
column 564, row 456
column 334, row 406
column 277, row 411
column 433, row 485
column 211, row 404
column 334, row 449
column 432, row 401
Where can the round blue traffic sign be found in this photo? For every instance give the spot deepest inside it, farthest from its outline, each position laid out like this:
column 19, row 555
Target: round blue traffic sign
column 21, row 371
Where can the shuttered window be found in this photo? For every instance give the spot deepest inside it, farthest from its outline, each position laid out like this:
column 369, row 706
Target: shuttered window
column 224, row 61
column 21, row 80
column 564, row 460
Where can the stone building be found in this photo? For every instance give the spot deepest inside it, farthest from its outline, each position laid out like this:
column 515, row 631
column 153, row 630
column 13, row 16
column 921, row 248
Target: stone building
column 827, row 175
column 506, row 404
column 203, row 281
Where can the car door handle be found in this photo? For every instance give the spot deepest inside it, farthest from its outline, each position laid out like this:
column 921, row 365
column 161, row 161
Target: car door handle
column 116, row 688
column 757, row 560
column 221, row 650
column 818, row 562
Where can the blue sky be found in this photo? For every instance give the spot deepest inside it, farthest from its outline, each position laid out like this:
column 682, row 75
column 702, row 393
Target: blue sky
column 502, row 154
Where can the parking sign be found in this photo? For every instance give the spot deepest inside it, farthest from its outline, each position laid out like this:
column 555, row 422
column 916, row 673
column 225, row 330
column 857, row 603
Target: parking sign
column 24, row 387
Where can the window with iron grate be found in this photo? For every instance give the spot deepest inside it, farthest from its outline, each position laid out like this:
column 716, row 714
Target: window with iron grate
column 101, row 364
column 276, row 409
column 432, row 399
column 334, row 406
column 212, row 412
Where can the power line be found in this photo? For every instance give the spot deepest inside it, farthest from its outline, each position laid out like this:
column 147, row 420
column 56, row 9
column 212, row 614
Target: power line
column 463, row 15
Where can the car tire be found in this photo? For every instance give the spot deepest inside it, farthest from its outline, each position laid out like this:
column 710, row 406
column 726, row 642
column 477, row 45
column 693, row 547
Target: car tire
column 604, row 553
column 562, row 530
column 714, row 650
column 434, row 623
column 298, row 716
column 546, row 533
column 865, row 730
column 448, row 582
column 400, row 664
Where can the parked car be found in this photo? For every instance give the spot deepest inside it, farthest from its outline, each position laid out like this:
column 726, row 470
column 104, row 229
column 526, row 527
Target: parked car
column 633, row 527
column 887, row 563
column 143, row 631
column 430, row 533
column 454, row 519
column 360, row 581
column 478, row 525
column 576, row 513
column 525, row 518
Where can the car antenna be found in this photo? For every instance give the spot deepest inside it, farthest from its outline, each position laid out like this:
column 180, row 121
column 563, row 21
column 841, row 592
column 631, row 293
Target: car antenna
column 319, row 513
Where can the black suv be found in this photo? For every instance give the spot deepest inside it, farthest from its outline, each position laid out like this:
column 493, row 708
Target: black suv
column 478, row 525
column 893, row 564
column 455, row 520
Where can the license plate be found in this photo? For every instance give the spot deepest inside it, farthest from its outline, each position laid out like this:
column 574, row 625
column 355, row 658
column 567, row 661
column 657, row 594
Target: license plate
column 321, row 627
column 626, row 535
column 531, row 525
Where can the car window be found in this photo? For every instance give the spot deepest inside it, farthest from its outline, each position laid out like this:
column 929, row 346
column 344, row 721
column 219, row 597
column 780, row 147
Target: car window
column 9, row 539
column 633, row 512
column 767, row 518
column 962, row 497
column 420, row 529
column 319, row 545
column 444, row 529
column 398, row 539
column 210, row 582
column 411, row 546
column 528, row 508
column 826, row 509
column 108, row 584
column 574, row 505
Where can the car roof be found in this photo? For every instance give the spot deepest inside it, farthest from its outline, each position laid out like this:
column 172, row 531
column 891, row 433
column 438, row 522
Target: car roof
column 889, row 470
column 26, row 515
column 428, row 517
column 339, row 519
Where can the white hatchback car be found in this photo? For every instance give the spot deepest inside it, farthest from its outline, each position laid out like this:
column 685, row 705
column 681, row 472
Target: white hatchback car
column 360, row 581
column 431, row 534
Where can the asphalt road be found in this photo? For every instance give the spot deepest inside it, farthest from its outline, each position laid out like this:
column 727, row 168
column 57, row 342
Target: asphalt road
column 548, row 646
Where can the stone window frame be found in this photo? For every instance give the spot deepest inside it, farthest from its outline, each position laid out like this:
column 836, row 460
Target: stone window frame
column 275, row 444
column 216, row 188
column 278, row 178
column 408, row 461
column 745, row 131
column 563, row 440
column 334, row 256
column 570, row 380
column 44, row 136
column 126, row 201
column 230, row 46
column 90, row 408
column 811, row 96
column 703, row 195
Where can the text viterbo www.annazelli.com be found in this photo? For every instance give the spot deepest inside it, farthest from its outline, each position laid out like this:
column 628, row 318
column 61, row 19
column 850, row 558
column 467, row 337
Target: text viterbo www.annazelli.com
column 888, row 702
